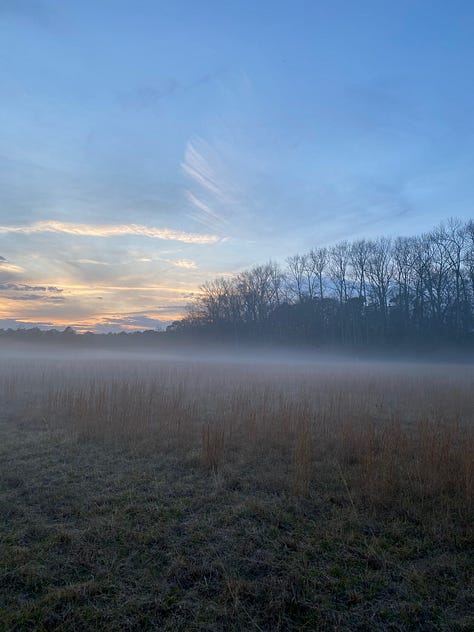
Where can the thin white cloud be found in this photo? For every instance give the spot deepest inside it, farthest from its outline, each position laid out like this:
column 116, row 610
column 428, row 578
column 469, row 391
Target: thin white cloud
column 199, row 168
column 93, row 262
column 179, row 263
column 205, row 215
column 10, row 267
column 184, row 263
column 110, row 230
column 211, row 184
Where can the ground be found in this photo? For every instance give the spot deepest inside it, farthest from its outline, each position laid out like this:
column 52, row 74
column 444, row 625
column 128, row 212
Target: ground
column 96, row 535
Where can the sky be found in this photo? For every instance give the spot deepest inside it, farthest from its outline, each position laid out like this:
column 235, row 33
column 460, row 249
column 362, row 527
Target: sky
column 148, row 146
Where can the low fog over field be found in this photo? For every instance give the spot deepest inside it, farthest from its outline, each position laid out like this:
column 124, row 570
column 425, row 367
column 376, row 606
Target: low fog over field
column 399, row 425
column 273, row 490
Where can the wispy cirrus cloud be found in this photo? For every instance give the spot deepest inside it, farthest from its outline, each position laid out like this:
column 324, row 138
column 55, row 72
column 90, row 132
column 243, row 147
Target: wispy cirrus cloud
column 212, row 186
column 110, row 230
column 205, row 214
column 197, row 165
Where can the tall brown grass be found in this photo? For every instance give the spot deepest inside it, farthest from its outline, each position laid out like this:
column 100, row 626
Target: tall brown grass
column 399, row 435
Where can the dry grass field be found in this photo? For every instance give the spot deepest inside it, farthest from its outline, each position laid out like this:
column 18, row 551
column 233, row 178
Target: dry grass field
column 141, row 494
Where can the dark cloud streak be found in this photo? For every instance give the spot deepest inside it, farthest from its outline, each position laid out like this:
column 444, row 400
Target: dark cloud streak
column 149, row 96
column 37, row 297
column 18, row 287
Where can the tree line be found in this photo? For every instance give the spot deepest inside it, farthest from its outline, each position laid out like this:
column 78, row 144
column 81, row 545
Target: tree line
column 362, row 292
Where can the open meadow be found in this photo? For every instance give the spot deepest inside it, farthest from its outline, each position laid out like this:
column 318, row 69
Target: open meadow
column 174, row 493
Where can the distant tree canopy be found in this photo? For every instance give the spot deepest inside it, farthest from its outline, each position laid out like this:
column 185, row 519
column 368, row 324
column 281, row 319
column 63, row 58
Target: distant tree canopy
column 364, row 292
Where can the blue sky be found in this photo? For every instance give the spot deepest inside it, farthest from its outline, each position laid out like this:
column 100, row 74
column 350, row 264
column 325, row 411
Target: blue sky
column 148, row 146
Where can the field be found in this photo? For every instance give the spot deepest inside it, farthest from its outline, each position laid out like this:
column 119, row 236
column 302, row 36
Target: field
column 139, row 493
